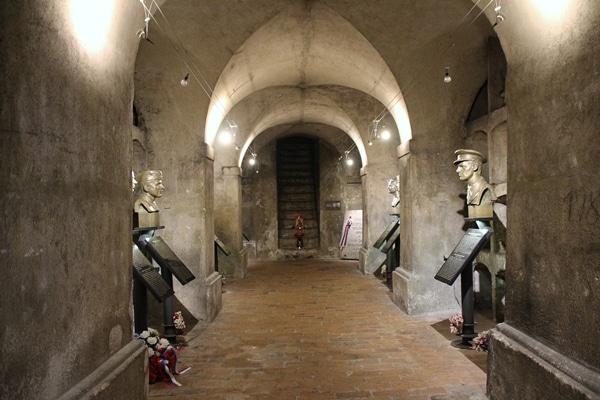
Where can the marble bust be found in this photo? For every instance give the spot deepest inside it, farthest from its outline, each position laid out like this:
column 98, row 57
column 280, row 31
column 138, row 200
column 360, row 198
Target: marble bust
column 393, row 186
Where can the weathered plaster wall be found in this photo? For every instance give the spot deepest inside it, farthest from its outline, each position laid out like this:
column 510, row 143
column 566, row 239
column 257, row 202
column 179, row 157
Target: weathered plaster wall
column 433, row 197
column 228, row 222
column 65, row 201
column 548, row 343
column 339, row 182
column 260, row 203
column 170, row 119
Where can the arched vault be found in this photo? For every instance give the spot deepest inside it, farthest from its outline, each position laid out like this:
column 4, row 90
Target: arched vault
column 302, row 106
column 306, row 46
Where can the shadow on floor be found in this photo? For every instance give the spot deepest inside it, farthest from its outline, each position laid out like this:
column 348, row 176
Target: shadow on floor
column 483, row 323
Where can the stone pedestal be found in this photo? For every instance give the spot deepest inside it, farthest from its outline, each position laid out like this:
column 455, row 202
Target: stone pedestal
column 516, row 357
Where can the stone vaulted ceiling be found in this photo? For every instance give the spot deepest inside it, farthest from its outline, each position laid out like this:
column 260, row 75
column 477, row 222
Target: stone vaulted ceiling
column 340, row 63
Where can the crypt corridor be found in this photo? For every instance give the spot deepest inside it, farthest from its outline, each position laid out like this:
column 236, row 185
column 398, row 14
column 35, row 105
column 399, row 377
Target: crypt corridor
column 319, row 329
column 92, row 93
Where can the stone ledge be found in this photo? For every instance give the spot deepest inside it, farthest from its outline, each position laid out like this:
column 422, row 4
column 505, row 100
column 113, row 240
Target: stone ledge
column 515, row 353
column 113, row 379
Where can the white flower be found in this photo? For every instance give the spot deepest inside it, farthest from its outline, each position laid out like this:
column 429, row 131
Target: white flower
column 150, row 352
column 153, row 332
column 152, row 340
column 144, row 334
column 163, row 342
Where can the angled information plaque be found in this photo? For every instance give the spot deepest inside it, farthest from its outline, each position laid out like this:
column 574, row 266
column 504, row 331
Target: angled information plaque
column 463, row 254
column 165, row 257
column 391, row 238
column 222, row 246
column 149, row 276
column 385, row 235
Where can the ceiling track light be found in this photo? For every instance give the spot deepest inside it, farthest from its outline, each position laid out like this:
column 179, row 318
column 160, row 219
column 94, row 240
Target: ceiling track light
column 500, row 17
column 184, row 81
column 252, row 160
column 447, row 77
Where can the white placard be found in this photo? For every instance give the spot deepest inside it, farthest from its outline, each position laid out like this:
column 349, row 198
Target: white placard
column 351, row 237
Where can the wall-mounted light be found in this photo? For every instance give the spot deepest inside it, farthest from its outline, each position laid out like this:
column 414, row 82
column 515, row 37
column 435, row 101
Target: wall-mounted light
column 385, row 133
column 349, row 161
column 184, row 81
column 225, row 137
column 229, row 133
column 447, row 77
column 92, row 23
column 252, row 159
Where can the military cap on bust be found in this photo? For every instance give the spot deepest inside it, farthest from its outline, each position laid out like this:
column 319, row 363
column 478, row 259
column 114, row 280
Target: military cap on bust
column 469, row 155
column 149, row 175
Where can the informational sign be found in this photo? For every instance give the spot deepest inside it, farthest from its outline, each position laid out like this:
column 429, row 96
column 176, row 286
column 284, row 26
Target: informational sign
column 149, row 276
column 391, row 239
column 333, row 205
column 385, row 235
column 351, row 239
column 463, row 254
column 166, row 258
column 222, row 246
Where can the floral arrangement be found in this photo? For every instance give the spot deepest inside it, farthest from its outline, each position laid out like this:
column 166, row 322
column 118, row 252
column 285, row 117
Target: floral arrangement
column 456, row 323
column 162, row 357
column 179, row 322
column 480, row 343
column 152, row 340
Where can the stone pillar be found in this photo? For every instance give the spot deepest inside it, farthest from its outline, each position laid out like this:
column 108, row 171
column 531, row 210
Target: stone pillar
column 402, row 277
column 65, row 202
column 548, row 345
column 374, row 218
column 430, row 227
column 228, row 223
column 191, row 227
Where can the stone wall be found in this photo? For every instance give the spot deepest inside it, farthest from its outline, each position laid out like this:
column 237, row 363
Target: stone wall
column 548, row 343
column 65, row 201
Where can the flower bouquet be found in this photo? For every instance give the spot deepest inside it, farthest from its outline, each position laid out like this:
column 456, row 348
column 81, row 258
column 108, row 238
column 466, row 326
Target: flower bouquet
column 162, row 357
column 456, row 323
column 480, row 343
column 179, row 323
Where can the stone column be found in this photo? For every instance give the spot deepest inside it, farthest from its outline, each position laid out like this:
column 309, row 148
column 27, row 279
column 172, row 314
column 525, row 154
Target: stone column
column 192, row 228
column 374, row 222
column 228, row 223
column 430, row 227
column 548, row 345
column 402, row 277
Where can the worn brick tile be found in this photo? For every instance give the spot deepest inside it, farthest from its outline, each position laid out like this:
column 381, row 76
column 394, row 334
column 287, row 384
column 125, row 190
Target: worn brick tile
column 318, row 330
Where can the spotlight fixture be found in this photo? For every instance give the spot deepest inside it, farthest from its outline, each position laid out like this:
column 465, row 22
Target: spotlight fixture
column 252, row 160
column 349, row 161
column 447, row 77
column 184, row 81
column 385, row 133
column 225, row 137
column 499, row 18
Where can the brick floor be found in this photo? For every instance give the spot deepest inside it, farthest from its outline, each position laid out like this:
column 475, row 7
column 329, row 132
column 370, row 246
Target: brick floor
column 308, row 329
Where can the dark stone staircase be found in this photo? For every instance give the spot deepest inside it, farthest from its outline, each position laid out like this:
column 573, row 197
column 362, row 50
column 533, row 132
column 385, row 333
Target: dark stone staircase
column 297, row 190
